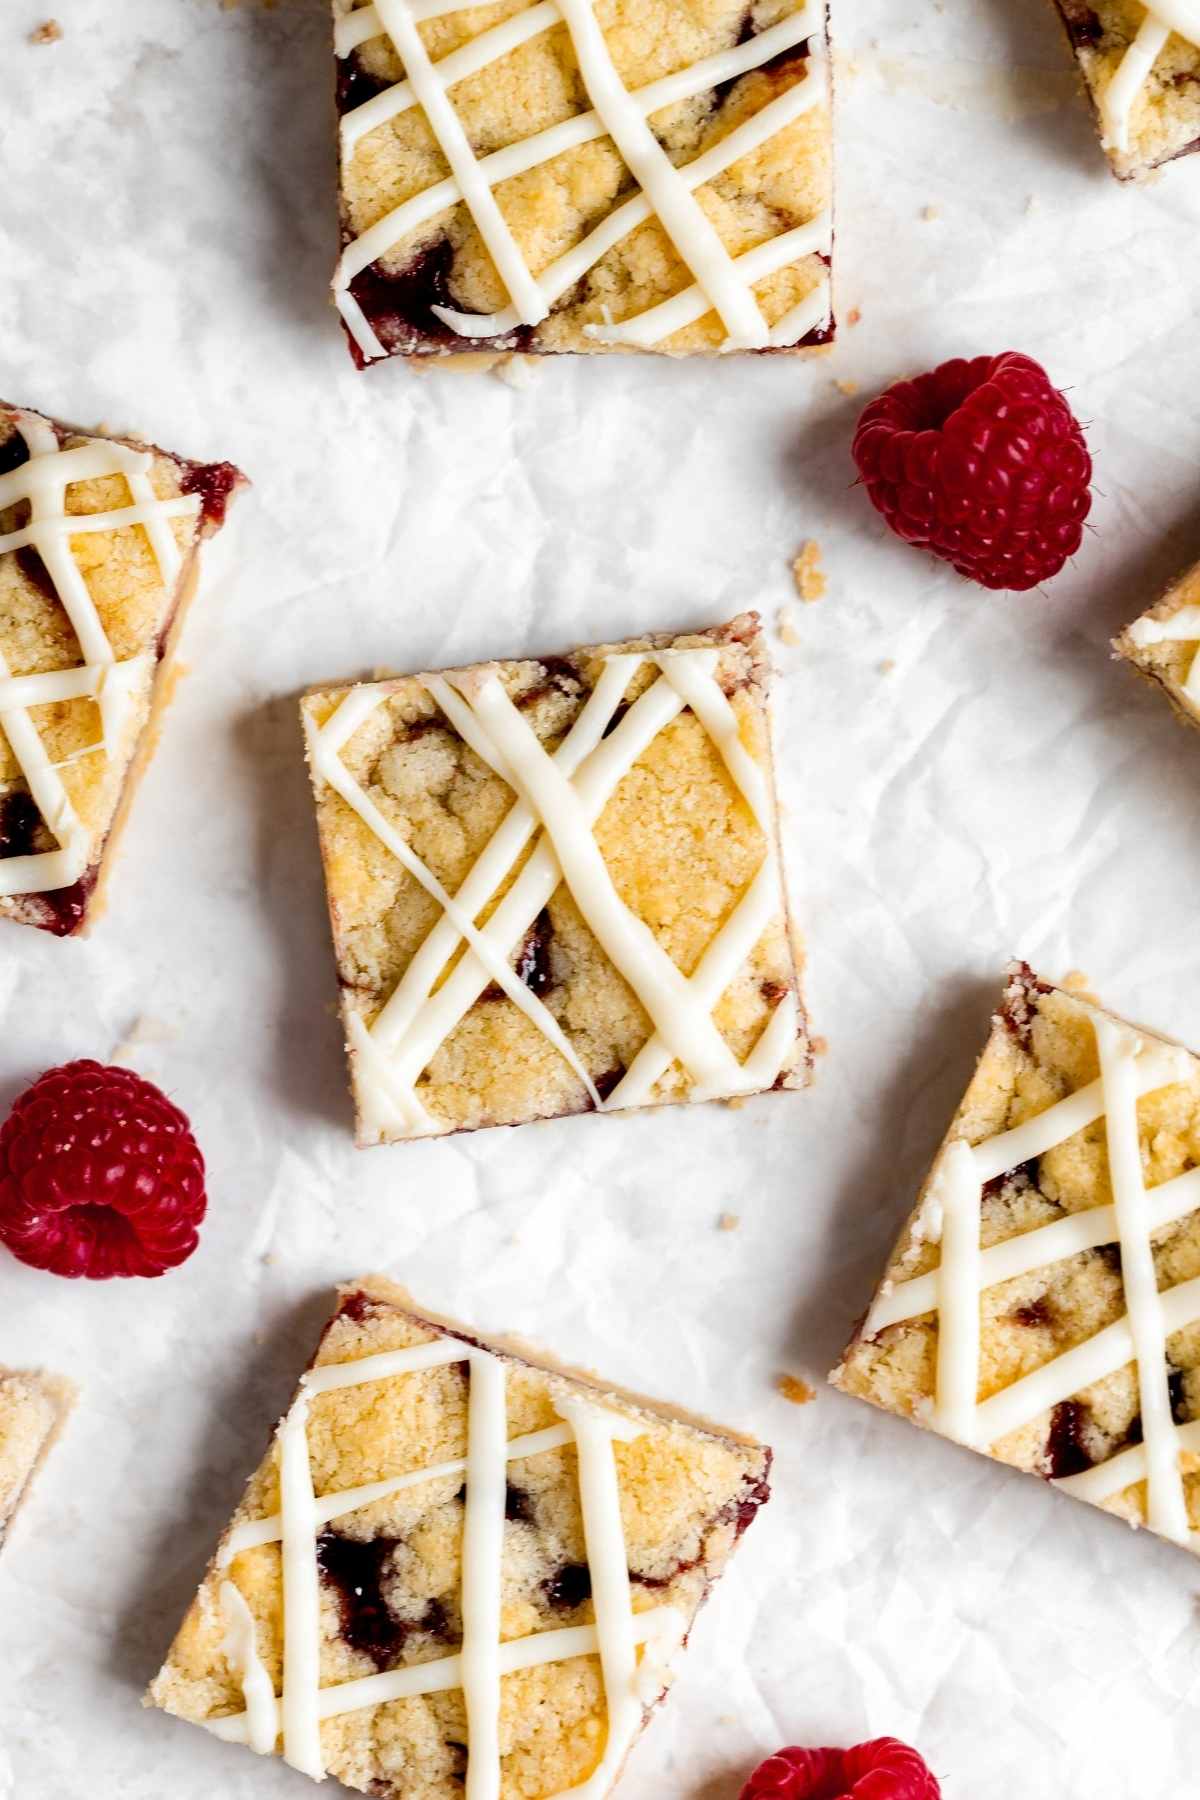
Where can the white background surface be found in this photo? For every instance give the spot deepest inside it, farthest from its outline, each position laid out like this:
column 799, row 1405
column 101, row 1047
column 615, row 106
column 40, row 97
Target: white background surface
column 166, row 230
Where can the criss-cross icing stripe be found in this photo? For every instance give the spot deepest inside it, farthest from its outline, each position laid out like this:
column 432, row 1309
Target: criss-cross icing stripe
column 723, row 284
column 1118, row 99
column 583, row 773
column 1129, row 1068
column 1182, row 627
column 42, row 482
column 485, row 1658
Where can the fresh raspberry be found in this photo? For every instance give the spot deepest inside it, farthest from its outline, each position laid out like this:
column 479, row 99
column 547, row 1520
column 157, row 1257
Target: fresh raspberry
column 983, row 463
column 884, row 1769
column 99, row 1175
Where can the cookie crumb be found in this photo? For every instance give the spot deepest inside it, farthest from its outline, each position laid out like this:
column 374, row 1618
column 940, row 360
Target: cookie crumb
column 786, row 626
column 48, row 33
column 728, row 1221
column 818, row 1045
column 847, row 387
column 794, row 1389
column 854, row 315
column 931, row 212
column 515, row 371
column 887, row 665
column 1076, row 982
column 808, row 573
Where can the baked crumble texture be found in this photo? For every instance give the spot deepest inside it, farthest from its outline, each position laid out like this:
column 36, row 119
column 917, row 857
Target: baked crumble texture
column 1165, row 122
column 33, row 1409
column 679, row 842
column 1167, row 664
column 139, row 615
column 552, row 207
column 392, row 1571
column 1042, row 1047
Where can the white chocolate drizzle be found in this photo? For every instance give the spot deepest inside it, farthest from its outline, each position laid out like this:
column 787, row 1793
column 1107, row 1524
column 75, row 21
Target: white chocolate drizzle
column 559, row 798
column 240, row 1645
column 1129, row 1068
column 485, row 1658
column 1120, row 96
column 723, row 284
column 1181, row 627
column 42, row 482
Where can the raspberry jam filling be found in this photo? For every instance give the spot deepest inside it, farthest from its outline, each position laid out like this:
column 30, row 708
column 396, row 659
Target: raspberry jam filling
column 214, row 482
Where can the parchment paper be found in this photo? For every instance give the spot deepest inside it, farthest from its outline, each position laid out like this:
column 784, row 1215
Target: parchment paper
column 964, row 777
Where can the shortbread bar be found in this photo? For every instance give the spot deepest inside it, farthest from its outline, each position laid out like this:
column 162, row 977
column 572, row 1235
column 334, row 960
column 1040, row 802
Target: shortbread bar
column 33, row 1409
column 458, row 1564
column 556, row 885
column 99, row 538
column 1164, row 646
column 1043, row 1302
column 1141, row 68
column 588, row 175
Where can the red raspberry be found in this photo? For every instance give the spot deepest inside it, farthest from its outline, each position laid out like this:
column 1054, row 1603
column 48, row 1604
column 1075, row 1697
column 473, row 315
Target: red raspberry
column 884, row 1769
column 983, row 463
column 99, row 1175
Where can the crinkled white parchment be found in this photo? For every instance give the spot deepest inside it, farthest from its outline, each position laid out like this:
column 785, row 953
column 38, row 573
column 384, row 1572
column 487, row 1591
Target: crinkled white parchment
column 964, row 776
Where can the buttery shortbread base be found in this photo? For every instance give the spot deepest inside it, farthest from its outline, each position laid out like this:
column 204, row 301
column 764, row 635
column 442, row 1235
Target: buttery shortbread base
column 1163, row 646
column 126, row 589
column 423, row 255
column 33, row 1409
column 1163, row 115
column 1089, row 1420
column 687, row 858
column 391, row 1585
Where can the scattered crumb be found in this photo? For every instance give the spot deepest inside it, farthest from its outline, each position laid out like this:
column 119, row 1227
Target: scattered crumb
column 808, row 573
column 144, row 1030
column 737, row 1101
column 515, row 371
column 794, row 1389
column 887, row 665
column 49, row 33
column 786, row 626
column 846, row 387
column 1076, row 982
column 931, row 212
column 728, row 1222
column 818, row 1045
column 854, row 315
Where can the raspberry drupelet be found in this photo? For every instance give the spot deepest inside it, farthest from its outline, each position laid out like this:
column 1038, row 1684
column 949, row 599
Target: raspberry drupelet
column 99, row 1175
column 984, row 464
column 882, row 1769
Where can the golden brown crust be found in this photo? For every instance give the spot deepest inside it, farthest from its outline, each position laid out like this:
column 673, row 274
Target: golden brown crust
column 34, row 1407
column 1165, row 122
column 1041, row 1048
column 686, row 1495
column 140, row 617
column 553, row 206
column 679, row 842
column 1166, row 665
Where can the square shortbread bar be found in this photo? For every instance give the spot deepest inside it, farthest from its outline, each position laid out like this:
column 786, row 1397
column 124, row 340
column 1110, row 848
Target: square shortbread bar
column 33, row 1410
column 501, row 1564
column 588, row 175
column 1164, row 646
column 1043, row 1302
column 1141, row 68
column 99, row 545
column 599, row 829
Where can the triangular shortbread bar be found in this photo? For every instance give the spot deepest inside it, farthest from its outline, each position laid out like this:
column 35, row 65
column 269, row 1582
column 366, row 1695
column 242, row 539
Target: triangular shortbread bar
column 1164, row 646
column 500, row 1564
column 1043, row 1302
column 99, row 556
